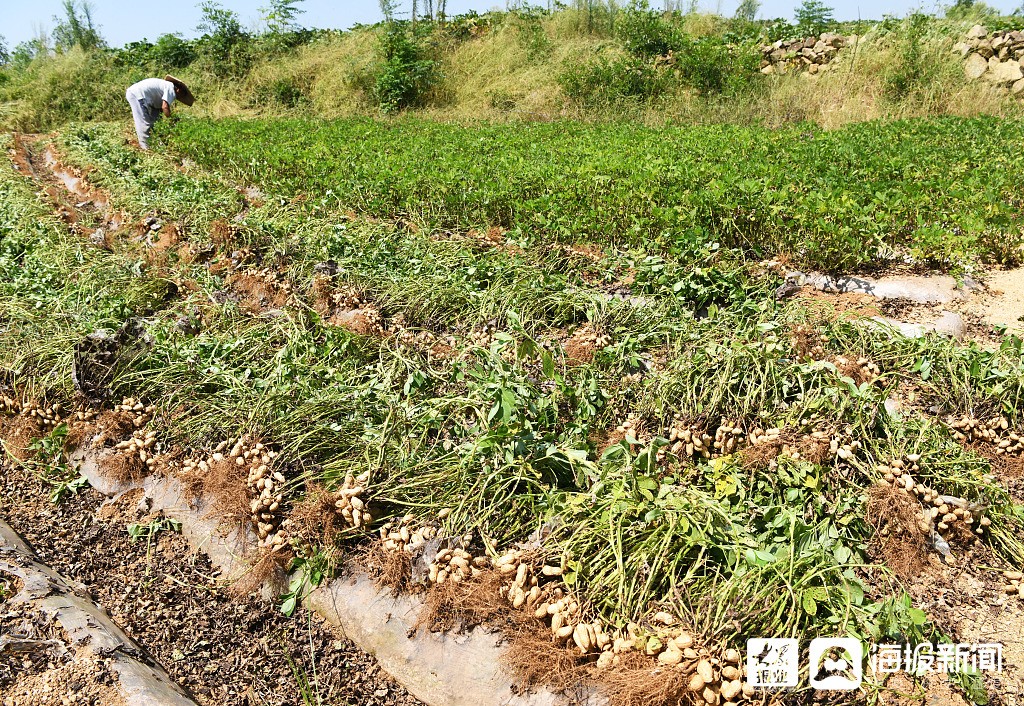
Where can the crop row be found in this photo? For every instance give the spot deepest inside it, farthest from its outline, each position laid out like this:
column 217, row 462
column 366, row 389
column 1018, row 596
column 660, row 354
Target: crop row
column 942, row 191
column 503, row 437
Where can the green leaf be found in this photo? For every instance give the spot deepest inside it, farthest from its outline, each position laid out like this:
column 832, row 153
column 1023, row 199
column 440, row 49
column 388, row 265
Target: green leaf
column 917, row 616
column 809, row 605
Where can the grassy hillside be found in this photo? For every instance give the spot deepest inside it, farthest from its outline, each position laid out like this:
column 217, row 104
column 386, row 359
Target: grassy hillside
column 525, row 65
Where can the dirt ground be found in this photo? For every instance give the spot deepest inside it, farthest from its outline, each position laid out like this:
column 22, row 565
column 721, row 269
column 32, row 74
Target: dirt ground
column 224, row 651
column 1005, row 306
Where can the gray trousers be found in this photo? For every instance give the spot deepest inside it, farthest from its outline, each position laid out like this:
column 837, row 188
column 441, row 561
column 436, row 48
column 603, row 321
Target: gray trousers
column 144, row 115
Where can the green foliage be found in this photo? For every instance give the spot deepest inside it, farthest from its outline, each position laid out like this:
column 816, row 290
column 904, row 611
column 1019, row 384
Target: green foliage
column 76, row 28
column 747, row 10
column 280, row 15
column 27, row 52
column 224, row 44
column 151, row 530
column 5, row 55
column 914, row 68
column 172, row 51
column 833, row 199
column 971, row 11
column 406, row 73
column 168, row 52
column 609, row 81
column 813, row 17
column 712, row 66
column 645, row 32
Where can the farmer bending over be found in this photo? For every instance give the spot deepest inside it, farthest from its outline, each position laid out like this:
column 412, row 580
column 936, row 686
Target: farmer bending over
column 152, row 96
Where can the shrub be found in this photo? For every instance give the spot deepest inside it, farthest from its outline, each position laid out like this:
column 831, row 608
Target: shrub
column 912, row 69
column 406, row 74
column 172, row 51
column 712, row 66
column 644, row 32
column 611, row 80
column 222, row 48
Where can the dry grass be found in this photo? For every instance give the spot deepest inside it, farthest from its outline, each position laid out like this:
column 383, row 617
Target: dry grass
column 124, row 467
column 108, row 428
column 760, row 457
column 315, row 520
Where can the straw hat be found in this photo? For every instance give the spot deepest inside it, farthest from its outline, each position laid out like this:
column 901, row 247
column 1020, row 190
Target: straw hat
column 181, row 91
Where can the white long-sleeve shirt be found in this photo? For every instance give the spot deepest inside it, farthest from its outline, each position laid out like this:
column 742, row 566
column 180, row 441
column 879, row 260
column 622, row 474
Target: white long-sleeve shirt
column 153, row 92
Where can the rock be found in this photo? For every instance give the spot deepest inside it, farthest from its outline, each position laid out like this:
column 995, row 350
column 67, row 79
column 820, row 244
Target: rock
column 922, row 290
column 1004, row 73
column 985, row 49
column 813, row 69
column 997, row 42
column 1018, row 88
column 768, row 70
column 975, row 67
column 963, row 47
column 977, row 32
column 819, row 46
column 951, row 324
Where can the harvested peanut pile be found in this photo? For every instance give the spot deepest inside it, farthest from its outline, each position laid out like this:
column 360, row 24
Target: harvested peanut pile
column 224, row 651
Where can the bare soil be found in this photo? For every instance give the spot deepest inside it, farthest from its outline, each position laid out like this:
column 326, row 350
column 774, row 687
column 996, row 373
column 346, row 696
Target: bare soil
column 225, row 651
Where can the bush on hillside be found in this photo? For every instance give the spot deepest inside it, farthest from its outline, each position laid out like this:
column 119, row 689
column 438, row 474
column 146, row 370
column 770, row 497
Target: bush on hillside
column 645, row 32
column 406, row 73
column 78, row 85
column 913, row 68
column 711, row 66
column 609, row 81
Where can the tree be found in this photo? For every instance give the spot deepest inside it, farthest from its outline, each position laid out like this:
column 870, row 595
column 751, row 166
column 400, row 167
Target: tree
column 813, row 17
column 221, row 26
column 280, row 15
column 26, row 52
column 76, row 28
column 387, row 8
column 748, row 10
column 974, row 10
column 221, row 40
column 4, row 56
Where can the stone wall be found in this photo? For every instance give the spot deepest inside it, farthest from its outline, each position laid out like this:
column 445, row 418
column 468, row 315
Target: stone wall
column 812, row 54
column 996, row 58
